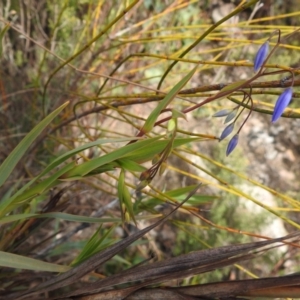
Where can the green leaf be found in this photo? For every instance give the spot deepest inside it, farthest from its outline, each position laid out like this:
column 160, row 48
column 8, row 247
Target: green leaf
column 87, row 167
column 130, row 165
column 198, row 199
column 178, row 114
column 171, row 125
column 149, row 151
column 166, row 101
column 138, row 152
column 233, row 86
column 14, row 157
column 181, row 191
column 2, row 33
column 179, row 195
column 58, row 215
column 73, row 152
column 94, row 245
column 125, row 198
column 120, row 193
column 67, row 217
column 120, row 260
column 102, row 169
column 25, row 195
column 89, row 247
column 128, row 204
column 15, row 261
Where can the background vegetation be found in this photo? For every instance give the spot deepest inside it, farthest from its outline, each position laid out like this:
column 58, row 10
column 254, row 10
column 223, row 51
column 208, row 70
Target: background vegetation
column 91, row 156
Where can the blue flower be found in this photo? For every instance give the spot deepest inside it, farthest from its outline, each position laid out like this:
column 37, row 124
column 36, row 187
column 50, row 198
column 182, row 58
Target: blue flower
column 261, row 56
column 228, row 129
column 232, row 144
column 282, row 102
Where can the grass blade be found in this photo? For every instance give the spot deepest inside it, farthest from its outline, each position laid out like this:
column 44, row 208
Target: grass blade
column 139, row 152
column 14, row 157
column 59, row 215
column 25, row 195
column 73, row 152
column 87, row 167
column 2, row 33
column 11, row 260
column 166, row 101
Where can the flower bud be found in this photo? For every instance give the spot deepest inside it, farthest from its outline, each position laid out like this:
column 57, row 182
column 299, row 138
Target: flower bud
column 261, row 56
column 232, row 144
column 228, row 129
column 222, row 113
column 231, row 116
column 282, row 102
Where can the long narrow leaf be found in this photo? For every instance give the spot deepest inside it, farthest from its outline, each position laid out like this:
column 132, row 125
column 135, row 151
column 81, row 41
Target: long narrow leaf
column 11, row 260
column 73, row 152
column 14, row 157
column 93, row 246
column 139, row 152
column 69, row 217
column 91, row 165
column 147, row 153
column 165, row 102
column 2, row 33
column 59, row 215
column 25, row 195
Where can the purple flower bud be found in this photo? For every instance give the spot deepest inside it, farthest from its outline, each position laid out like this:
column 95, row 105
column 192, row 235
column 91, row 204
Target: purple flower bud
column 228, row 129
column 261, row 56
column 282, row 102
column 232, row 144
column 222, row 113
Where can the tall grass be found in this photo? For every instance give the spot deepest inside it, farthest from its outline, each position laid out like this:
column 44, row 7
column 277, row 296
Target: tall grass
column 107, row 126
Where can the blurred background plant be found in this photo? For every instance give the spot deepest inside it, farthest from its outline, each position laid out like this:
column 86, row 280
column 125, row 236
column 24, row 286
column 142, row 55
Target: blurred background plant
column 78, row 81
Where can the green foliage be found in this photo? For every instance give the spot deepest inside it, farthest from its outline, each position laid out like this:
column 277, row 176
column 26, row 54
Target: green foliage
column 94, row 245
column 2, row 33
column 11, row 161
column 151, row 120
column 142, row 79
column 20, row 262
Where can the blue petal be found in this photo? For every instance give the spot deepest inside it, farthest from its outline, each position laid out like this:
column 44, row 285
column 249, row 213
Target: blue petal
column 232, row 144
column 261, row 56
column 282, row 102
column 228, row 129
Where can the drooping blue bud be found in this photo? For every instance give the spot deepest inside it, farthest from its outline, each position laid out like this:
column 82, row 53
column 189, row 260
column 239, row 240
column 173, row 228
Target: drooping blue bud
column 232, row 144
column 261, row 56
column 282, row 102
column 228, row 129
column 222, row 113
